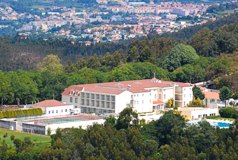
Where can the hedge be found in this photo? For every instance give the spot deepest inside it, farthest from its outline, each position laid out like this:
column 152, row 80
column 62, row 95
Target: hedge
column 228, row 112
column 21, row 113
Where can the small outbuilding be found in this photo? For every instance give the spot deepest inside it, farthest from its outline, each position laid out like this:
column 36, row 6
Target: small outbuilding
column 54, row 108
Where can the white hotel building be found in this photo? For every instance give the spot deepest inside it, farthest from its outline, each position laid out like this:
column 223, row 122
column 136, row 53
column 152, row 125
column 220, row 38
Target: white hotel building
column 148, row 95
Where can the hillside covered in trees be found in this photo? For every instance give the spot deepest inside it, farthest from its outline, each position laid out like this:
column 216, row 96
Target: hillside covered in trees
column 219, row 37
column 209, row 55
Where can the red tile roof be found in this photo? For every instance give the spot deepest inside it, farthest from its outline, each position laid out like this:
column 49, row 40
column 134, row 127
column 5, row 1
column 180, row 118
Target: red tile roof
column 158, row 102
column 211, row 95
column 49, row 103
column 134, row 86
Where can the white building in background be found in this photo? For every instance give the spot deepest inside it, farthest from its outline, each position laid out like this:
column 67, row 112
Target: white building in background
column 148, row 95
column 197, row 113
column 54, row 108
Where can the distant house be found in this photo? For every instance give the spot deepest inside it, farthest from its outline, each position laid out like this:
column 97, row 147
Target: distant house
column 212, row 99
column 54, row 107
column 197, row 113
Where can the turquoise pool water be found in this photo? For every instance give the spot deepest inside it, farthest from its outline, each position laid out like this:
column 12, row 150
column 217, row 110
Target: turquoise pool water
column 220, row 124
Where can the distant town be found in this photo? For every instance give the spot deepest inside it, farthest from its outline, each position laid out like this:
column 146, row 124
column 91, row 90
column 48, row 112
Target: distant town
column 105, row 21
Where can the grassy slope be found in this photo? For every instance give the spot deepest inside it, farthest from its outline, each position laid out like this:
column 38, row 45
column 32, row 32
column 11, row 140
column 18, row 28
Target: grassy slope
column 40, row 141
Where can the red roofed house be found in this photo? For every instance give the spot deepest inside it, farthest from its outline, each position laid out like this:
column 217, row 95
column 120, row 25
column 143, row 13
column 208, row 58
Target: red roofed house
column 146, row 95
column 54, row 107
column 212, row 99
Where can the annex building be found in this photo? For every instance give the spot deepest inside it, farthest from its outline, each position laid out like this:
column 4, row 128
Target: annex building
column 148, row 95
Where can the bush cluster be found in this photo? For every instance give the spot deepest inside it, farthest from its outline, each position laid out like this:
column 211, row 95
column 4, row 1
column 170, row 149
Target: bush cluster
column 21, row 113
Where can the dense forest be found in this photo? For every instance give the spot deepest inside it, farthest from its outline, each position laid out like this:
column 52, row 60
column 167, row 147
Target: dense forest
column 20, row 53
column 128, row 138
column 209, row 55
column 51, row 77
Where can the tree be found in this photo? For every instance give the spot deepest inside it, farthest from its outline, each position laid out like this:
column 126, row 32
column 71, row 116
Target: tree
column 228, row 112
column 196, row 102
column 49, row 131
column 204, row 43
column 170, row 103
column 127, row 118
column 5, row 88
column 225, row 94
column 174, row 123
column 180, row 55
column 110, row 121
column 51, row 63
column 197, row 93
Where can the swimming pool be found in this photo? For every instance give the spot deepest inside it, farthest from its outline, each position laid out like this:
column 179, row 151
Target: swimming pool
column 220, row 124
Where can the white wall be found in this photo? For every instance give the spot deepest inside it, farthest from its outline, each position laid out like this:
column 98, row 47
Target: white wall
column 187, row 95
column 167, row 93
column 143, row 102
column 59, row 110
column 200, row 113
column 122, row 101
column 211, row 103
column 77, row 124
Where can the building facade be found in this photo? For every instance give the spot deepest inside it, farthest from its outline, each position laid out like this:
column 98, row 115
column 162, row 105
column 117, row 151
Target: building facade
column 54, row 108
column 146, row 95
column 198, row 113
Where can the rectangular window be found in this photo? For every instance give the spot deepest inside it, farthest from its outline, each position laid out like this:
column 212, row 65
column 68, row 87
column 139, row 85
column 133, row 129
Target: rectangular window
column 212, row 100
column 98, row 97
column 92, row 102
column 113, row 98
column 102, row 104
column 108, row 98
column 113, row 105
column 53, row 111
column 76, row 100
column 71, row 100
column 56, row 111
column 102, row 97
column 108, row 104
column 82, row 94
column 87, row 102
column 49, row 112
column 83, row 110
column 97, row 104
column 87, row 95
column 92, row 96
column 66, row 110
column 82, row 102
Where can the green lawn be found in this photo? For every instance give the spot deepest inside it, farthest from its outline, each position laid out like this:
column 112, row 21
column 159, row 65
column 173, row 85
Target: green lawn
column 40, row 141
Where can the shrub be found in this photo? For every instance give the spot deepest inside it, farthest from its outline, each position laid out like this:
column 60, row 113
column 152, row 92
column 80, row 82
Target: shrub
column 228, row 112
column 12, row 137
column 21, row 113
